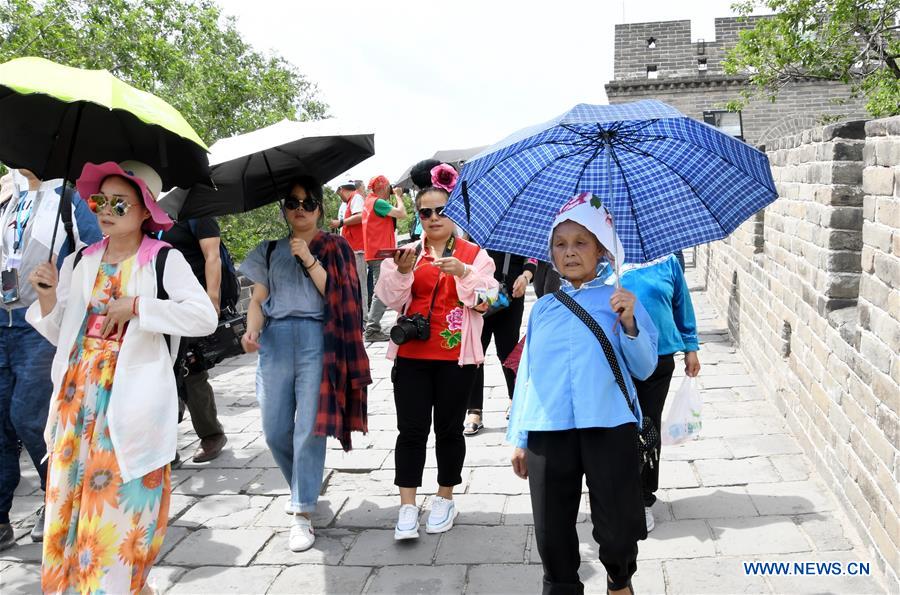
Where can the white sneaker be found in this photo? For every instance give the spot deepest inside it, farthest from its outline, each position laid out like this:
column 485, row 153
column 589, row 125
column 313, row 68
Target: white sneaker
column 407, row 523
column 648, row 516
column 302, row 536
column 443, row 513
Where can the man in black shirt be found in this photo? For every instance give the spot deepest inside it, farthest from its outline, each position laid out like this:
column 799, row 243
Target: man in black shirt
column 199, row 240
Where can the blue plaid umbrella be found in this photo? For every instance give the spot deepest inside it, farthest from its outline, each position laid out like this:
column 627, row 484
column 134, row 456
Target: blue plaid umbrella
column 670, row 182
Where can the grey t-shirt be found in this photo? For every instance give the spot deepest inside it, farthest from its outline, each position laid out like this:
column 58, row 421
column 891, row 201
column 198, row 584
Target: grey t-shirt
column 291, row 293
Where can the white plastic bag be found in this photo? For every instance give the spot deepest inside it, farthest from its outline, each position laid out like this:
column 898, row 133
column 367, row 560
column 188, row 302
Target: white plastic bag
column 683, row 420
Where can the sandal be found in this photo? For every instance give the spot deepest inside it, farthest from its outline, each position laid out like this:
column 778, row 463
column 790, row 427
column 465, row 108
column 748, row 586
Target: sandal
column 471, row 427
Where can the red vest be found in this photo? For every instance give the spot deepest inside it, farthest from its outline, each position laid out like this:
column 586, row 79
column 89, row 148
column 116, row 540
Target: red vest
column 378, row 232
column 447, row 313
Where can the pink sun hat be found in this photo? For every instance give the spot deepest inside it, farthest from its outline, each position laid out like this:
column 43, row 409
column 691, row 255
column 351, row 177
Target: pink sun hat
column 141, row 174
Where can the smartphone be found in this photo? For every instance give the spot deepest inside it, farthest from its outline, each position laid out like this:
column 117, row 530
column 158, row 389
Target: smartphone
column 9, row 280
column 94, row 325
column 386, row 253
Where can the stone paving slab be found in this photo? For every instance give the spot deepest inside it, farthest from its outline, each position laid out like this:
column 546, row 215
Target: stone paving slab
column 711, row 576
column 223, row 512
column 711, row 503
column 726, row 472
column 376, row 547
column 492, row 579
column 212, row 482
column 794, row 497
column 742, row 492
column 741, row 537
column 234, row 547
column 305, row 580
column 482, row 545
column 20, row 579
column 222, row 579
column 391, row 580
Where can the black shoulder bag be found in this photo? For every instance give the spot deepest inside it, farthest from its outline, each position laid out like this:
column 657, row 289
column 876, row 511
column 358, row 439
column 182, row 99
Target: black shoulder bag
column 648, row 437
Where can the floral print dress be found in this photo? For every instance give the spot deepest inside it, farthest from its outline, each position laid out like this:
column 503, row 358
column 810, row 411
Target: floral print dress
column 101, row 534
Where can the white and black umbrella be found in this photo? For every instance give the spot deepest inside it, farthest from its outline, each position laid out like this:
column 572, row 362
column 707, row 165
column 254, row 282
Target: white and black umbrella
column 254, row 169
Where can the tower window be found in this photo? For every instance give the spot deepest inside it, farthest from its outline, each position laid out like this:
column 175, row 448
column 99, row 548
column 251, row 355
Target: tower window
column 651, row 43
column 701, row 64
column 652, row 72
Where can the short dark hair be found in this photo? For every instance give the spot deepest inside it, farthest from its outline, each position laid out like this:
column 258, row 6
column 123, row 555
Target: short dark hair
column 313, row 190
column 312, row 187
column 426, row 190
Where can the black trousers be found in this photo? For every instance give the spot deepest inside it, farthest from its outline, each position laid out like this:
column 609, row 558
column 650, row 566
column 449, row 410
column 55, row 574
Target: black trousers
column 504, row 328
column 420, row 387
column 557, row 461
column 652, row 397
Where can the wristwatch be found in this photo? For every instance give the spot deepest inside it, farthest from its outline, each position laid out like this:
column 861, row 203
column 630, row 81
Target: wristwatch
column 340, row 223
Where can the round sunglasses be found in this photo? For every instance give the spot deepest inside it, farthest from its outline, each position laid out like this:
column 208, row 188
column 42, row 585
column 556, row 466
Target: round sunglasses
column 426, row 212
column 117, row 204
column 309, row 205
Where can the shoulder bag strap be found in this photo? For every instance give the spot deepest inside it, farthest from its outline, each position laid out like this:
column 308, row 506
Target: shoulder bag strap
column 607, row 347
column 161, row 293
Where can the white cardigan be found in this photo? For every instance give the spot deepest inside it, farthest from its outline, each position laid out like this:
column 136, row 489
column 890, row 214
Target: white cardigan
column 143, row 409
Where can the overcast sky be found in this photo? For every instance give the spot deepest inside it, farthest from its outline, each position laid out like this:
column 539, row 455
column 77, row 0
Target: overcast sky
column 426, row 76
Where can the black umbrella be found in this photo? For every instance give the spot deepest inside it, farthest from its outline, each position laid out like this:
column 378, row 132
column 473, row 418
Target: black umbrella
column 254, row 169
column 54, row 119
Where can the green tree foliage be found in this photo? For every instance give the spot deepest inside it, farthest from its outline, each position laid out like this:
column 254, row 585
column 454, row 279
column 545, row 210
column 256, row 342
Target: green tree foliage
column 185, row 51
column 851, row 41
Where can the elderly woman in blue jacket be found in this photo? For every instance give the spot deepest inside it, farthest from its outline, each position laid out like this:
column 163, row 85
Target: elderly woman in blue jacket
column 569, row 419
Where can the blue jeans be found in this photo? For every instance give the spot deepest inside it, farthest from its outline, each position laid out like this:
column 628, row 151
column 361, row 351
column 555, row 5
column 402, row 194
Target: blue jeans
column 287, row 387
column 25, row 393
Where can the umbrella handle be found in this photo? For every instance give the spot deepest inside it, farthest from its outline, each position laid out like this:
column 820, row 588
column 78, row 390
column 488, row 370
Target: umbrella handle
column 300, row 262
column 65, row 192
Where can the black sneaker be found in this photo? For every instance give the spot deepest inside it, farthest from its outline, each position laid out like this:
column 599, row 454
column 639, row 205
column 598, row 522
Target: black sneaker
column 7, row 536
column 37, row 532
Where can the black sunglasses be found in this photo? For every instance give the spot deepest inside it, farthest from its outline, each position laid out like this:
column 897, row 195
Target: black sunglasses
column 426, row 212
column 309, row 205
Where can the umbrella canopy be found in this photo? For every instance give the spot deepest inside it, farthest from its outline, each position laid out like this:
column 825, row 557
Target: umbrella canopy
column 671, row 182
column 254, row 169
column 54, row 119
column 454, row 157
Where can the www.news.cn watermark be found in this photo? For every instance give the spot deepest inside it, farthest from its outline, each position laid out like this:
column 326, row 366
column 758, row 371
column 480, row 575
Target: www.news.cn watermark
column 807, row 568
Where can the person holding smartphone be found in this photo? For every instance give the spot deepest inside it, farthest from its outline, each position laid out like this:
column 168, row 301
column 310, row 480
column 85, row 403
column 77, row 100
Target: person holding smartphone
column 436, row 346
column 304, row 320
column 116, row 312
column 27, row 218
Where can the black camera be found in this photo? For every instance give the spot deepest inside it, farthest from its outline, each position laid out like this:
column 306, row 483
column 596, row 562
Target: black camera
column 203, row 353
column 409, row 328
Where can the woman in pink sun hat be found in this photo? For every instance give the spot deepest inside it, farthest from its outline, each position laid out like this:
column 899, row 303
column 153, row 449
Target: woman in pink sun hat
column 115, row 311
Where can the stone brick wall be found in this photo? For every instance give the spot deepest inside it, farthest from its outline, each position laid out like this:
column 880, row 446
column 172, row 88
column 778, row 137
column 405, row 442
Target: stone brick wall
column 811, row 291
column 675, row 54
column 799, row 106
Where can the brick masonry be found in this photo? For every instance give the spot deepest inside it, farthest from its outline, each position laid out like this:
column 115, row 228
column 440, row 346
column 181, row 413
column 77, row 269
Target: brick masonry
column 810, row 288
column 799, row 105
